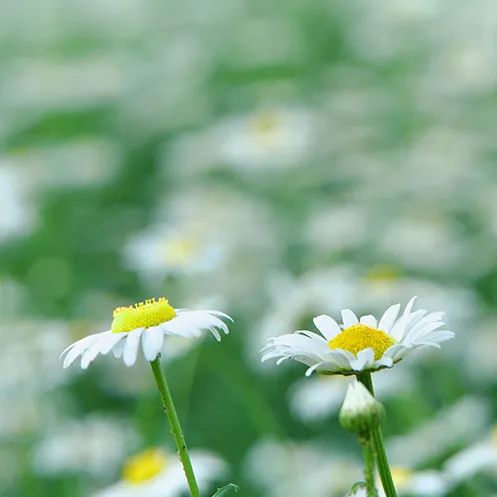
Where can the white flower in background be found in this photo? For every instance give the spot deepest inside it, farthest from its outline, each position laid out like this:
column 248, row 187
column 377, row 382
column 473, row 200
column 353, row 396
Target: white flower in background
column 146, row 323
column 221, row 236
column 479, row 457
column 33, row 348
column 17, row 212
column 414, row 241
column 429, row 483
column 441, row 434
column 276, row 138
column 479, row 358
column 156, row 473
column 93, row 445
column 360, row 344
column 278, row 468
column 160, row 251
column 314, row 399
column 77, row 163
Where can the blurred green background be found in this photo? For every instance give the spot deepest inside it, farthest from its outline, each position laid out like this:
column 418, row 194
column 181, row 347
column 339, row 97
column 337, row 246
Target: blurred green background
column 276, row 161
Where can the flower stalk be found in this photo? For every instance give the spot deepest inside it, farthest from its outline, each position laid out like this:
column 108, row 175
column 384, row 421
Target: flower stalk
column 174, row 423
column 379, row 446
column 369, row 464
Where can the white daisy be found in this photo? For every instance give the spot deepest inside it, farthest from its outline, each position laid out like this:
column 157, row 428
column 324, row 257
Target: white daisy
column 360, row 344
column 432, row 440
column 146, row 322
column 277, row 469
column 94, row 445
column 479, row 457
column 155, row 473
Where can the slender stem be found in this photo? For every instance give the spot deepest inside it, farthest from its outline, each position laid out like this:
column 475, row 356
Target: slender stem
column 381, row 455
column 172, row 416
column 369, row 465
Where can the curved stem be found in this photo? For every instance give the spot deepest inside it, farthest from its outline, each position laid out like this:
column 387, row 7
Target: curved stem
column 176, row 431
column 381, row 455
column 369, row 465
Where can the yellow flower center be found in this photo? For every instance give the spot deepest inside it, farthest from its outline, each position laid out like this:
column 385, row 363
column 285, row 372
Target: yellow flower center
column 180, row 251
column 359, row 337
column 383, row 274
column 401, row 476
column 152, row 312
column 144, row 466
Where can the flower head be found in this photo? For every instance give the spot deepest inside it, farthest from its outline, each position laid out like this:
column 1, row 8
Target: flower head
column 146, row 322
column 360, row 410
column 155, row 473
column 360, row 344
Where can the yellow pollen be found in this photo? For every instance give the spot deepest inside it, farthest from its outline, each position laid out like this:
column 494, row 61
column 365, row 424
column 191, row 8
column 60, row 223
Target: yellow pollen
column 144, row 466
column 152, row 312
column 359, row 337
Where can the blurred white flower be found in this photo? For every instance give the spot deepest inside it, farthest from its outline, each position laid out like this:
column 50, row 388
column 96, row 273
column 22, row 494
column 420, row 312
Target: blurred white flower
column 360, row 344
column 479, row 457
column 36, row 84
column 156, row 473
column 422, row 243
column 479, row 358
column 160, row 251
column 145, row 323
column 77, row 163
column 271, row 138
column 278, row 468
column 94, row 445
column 446, row 431
column 33, row 348
column 17, row 207
column 264, row 140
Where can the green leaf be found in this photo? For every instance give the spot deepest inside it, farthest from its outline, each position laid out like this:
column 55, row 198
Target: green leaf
column 230, row 486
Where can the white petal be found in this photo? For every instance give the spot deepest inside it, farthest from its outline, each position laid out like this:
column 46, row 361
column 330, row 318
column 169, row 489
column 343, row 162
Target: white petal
column 348, row 318
column 79, row 347
column 327, row 326
column 152, row 340
column 313, row 368
column 409, row 306
column 131, row 347
column 369, row 320
column 388, row 318
column 118, row 349
column 191, row 323
column 92, row 351
column 365, row 358
column 109, row 342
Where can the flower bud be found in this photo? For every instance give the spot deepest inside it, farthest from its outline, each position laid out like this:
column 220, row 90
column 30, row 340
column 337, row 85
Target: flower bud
column 360, row 411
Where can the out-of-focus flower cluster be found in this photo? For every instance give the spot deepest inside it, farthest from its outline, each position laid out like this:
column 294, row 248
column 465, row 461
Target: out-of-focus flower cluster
column 276, row 161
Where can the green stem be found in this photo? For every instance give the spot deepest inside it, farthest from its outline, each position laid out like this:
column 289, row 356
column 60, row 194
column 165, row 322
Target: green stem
column 172, row 416
column 369, row 465
column 381, row 455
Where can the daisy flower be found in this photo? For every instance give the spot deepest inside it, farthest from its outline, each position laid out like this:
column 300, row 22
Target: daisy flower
column 360, row 344
column 155, row 473
column 146, row 323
